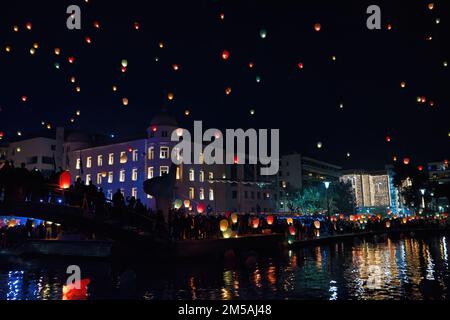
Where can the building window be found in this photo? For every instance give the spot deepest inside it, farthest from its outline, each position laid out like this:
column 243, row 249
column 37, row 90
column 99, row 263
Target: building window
column 109, row 195
column 201, row 194
column 191, row 193
column 191, row 175
column 123, row 157
column 88, row 179
column 178, row 173
column 110, row 177
column 99, row 178
column 134, row 175
column 100, row 161
column 163, row 171
column 202, row 176
column 78, row 166
column 211, row 194
column 111, row 159
column 211, row 176
column 164, row 153
column 134, row 193
column 150, row 173
column 122, row 176
column 135, row 155
column 151, row 153
column 89, row 162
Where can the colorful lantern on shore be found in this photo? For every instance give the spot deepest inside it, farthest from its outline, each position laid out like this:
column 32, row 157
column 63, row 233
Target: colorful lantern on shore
column 292, row 231
column 255, row 223
column 201, row 208
column 234, row 218
column 317, row 224
column 290, row 221
column 227, row 234
column 187, row 204
column 177, row 204
column 270, row 220
column 224, row 225
column 352, row 218
column 388, row 224
column 65, row 180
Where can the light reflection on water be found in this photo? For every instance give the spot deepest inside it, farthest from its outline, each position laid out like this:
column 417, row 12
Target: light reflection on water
column 378, row 269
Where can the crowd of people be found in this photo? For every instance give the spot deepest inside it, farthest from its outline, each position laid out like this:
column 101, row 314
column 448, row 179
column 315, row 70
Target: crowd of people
column 11, row 235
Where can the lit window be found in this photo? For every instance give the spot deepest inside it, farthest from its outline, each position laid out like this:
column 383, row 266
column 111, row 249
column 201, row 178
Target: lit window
column 99, row 178
column 111, row 159
column 134, row 175
column 151, row 153
column 88, row 179
column 211, row 195
column 151, row 173
column 100, row 161
column 191, row 193
column 211, row 176
column 163, row 171
column 109, row 195
column 202, row 194
column 191, row 175
column 202, row 176
column 134, row 193
column 122, row 176
column 178, row 173
column 164, row 153
column 78, row 166
column 110, row 177
column 89, row 162
column 135, row 155
column 123, row 157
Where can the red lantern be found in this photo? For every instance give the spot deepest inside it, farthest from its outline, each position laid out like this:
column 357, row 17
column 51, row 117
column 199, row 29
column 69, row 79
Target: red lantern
column 71, row 59
column 2, row 134
column 341, row 216
column 76, row 291
column 420, row 168
column 88, row 40
column 225, row 55
column 270, row 220
column 136, row 26
column 388, row 139
column 406, row 161
column 64, row 180
column 29, row 26
column 292, row 231
column 300, row 65
column 317, row 27
column 255, row 223
column 201, row 208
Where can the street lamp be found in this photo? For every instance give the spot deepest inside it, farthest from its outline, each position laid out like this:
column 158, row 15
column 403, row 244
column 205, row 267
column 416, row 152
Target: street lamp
column 327, row 186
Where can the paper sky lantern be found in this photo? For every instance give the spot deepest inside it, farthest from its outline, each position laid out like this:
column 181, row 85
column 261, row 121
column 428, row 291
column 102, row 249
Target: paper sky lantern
column 290, row 221
column 270, row 220
column 292, row 231
column 403, row 84
column 177, row 204
column 388, row 224
column 224, row 225
column 388, row 139
column 136, row 26
column 201, row 208
column 124, row 158
column 96, row 25
column 29, row 26
column 71, row 60
column 228, row 91
column 255, row 223
column 263, row 33
column 406, row 161
column 24, row 98
column 2, row 134
column 65, row 180
column 225, row 55
column 420, row 168
column 251, row 65
column 88, row 40
column 222, row 16
column 76, row 291
column 227, row 233
column 431, row 6
column 317, row 27
column 175, row 67
column 124, row 63
column 234, row 218
column 319, row 145
column 170, row 96
column 104, row 174
column 317, row 224
column 57, row 51
column 352, row 218
column 187, row 204
column 125, row 101
column 300, row 65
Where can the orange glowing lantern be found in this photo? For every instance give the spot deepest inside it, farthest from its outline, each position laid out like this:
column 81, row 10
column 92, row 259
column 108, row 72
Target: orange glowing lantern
column 290, row 221
column 64, row 180
column 317, row 27
column 406, row 161
column 234, row 218
column 201, row 208
column 341, row 216
column 187, row 204
column 388, row 224
column 317, row 224
column 255, row 223
column 224, row 225
column 352, row 218
column 76, row 291
column 270, row 220
column 225, row 55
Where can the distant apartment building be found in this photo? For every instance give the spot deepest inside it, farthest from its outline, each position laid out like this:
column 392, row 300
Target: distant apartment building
column 439, row 172
column 373, row 190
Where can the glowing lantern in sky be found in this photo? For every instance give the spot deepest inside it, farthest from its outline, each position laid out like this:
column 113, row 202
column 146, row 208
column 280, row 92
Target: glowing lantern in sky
column 252, row 112
column 388, row 139
column 16, row 28
column 57, row 51
column 406, row 161
column 125, row 101
column 319, row 145
column 175, row 67
column 96, row 25
column 431, row 6
column 187, row 204
column 222, row 16
column 290, row 221
column 317, row 224
column 292, row 231
column 88, row 40
column 136, row 26
column 170, row 96
column 263, row 33
column 24, row 98
column 228, row 91
column 187, row 113
column 65, row 180
column 234, row 218
column 124, row 63
column 8, row 49
column 270, row 220
column 224, row 225
column 403, row 84
column 29, row 26
column 300, row 65
column 2, row 134
column 227, row 234
column 225, row 55
column 420, row 168
column 389, row 27
column 255, row 223
column 71, row 60
column 251, row 65
column 201, row 208
column 317, row 27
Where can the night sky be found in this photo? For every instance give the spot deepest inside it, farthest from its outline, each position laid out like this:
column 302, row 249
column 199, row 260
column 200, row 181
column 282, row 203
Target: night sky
column 304, row 103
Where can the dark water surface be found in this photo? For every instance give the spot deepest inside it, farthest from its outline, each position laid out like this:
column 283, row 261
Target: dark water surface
column 377, row 268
